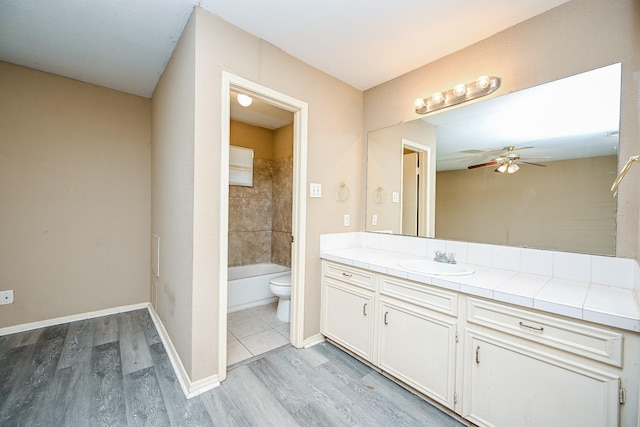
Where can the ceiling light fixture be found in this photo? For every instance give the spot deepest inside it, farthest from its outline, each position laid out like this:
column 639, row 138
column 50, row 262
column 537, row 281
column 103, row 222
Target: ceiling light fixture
column 244, row 100
column 508, row 166
column 484, row 85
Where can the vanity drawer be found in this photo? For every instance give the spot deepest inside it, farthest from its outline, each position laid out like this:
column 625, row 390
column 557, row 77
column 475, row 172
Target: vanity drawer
column 351, row 275
column 594, row 343
column 420, row 294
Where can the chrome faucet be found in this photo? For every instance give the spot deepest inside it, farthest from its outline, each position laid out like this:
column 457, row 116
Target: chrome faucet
column 441, row 256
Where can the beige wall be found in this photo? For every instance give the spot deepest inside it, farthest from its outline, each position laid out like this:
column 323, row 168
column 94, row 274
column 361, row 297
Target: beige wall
column 575, row 37
column 172, row 187
column 74, row 196
column 283, row 147
column 335, row 153
column 248, row 136
column 565, row 206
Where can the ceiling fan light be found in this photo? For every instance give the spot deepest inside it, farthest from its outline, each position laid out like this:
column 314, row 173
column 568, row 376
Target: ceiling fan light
column 502, row 168
column 512, row 168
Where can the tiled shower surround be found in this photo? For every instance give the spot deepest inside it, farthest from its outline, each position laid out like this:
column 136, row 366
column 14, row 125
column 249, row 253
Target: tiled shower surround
column 260, row 216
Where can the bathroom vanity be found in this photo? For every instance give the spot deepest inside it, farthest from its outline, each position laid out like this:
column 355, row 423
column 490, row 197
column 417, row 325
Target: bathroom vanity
column 455, row 339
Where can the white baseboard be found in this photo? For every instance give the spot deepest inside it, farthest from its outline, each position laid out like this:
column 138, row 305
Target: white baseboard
column 189, row 388
column 313, row 340
column 73, row 318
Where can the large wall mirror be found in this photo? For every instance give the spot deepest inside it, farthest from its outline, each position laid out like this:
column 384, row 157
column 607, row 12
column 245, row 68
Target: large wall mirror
column 532, row 168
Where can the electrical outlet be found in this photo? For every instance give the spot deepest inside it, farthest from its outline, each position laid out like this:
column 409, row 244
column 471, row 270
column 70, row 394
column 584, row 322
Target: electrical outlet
column 6, row 297
column 315, row 190
column 347, row 220
column 374, row 220
column 396, row 197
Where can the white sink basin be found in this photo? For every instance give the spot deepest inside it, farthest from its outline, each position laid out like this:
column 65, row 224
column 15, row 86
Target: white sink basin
column 426, row 266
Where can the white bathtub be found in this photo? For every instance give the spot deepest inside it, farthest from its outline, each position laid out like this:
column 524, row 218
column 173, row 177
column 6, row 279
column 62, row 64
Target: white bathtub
column 248, row 285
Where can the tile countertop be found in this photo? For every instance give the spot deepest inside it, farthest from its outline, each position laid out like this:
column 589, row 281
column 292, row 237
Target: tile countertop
column 605, row 305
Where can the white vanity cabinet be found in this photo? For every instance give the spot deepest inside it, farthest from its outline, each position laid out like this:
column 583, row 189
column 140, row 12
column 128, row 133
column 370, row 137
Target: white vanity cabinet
column 417, row 337
column 509, row 379
column 418, row 348
column 492, row 363
column 348, row 308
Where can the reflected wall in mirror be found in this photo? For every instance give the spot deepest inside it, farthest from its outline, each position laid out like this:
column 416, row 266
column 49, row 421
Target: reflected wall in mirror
column 559, row 141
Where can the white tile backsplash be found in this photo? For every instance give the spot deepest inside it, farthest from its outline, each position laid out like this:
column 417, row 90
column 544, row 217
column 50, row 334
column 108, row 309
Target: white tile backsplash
column 536, row 261
column 505, row 257
column 572, row 266
column 612, row 271
column 419, row 246
column 479, row 254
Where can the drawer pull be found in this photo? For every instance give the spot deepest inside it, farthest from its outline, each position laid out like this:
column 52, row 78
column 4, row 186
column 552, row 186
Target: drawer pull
column 364, row 309
column 346, row 274
column 386, row 313
column 535, row 328
column 478, row 354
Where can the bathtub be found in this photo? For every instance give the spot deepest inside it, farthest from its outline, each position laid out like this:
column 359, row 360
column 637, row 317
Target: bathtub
column 248, row 285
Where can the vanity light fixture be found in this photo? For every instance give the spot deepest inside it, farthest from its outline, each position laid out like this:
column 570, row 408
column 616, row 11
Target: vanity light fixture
column 244, row 100
column 484, row 85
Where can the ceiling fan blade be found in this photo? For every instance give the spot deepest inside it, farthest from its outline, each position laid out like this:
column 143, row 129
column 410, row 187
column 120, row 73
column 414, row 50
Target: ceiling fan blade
column 481, row 165
column 534, row 164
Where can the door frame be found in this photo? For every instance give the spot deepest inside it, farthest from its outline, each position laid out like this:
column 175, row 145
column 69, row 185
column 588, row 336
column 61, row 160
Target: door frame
column 426, row 227
column 299, row 209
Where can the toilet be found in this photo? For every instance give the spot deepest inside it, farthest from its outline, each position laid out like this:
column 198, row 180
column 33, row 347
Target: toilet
column 280, row 286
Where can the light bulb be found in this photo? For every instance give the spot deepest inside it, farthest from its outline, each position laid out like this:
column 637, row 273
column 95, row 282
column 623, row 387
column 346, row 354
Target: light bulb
column 419, row 103
column 459, row 90
column 482, row 82
column 437, row 98
column 244, row 100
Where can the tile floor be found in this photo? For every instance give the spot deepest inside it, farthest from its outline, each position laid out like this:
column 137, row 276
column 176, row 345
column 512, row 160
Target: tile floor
column 254, row 331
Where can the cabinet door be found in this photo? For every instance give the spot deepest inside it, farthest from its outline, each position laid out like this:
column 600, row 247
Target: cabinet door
column 511, row 385
column 347, row 317
column 418, row 347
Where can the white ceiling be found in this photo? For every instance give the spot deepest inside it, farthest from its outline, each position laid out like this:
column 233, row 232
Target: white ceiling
column 125, row 44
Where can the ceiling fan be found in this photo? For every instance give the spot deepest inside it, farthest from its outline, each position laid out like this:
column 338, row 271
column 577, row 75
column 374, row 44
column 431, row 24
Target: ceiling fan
column 507, row 161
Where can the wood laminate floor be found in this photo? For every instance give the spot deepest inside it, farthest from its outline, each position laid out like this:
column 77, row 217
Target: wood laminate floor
column 114, row 371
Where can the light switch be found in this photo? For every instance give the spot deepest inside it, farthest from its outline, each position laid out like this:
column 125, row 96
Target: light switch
column 347, row 220
column 315, row 190
column 374, row 220
column 396, row 197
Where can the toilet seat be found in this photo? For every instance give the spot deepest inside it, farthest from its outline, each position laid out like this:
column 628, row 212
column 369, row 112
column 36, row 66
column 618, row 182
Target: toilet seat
column 284, row 280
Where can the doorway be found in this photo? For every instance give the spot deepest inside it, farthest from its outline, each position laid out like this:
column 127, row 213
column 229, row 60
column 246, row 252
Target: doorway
column 299, row 109
column 415, row 200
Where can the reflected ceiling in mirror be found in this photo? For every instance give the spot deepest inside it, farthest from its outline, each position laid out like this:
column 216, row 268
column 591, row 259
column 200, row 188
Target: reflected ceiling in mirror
column 563, row 138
